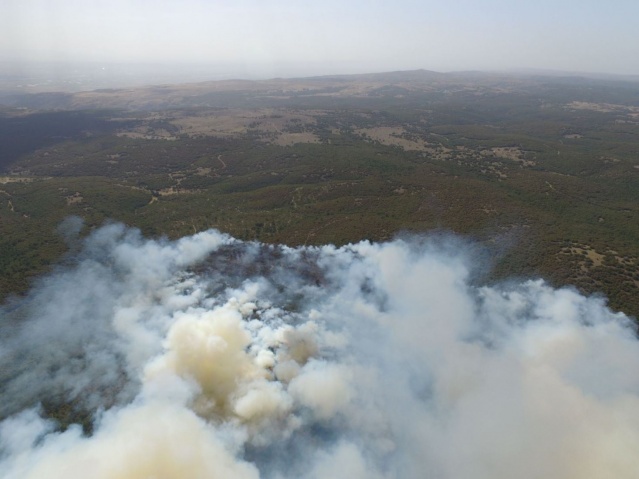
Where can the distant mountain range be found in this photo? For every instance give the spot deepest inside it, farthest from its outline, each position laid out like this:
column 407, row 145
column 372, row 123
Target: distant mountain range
column 236, row 92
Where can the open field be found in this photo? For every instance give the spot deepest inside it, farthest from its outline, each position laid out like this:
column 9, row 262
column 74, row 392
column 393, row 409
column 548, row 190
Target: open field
column 542, row 171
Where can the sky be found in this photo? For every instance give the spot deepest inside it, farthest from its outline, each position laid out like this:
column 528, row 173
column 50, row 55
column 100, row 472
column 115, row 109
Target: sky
column 287, row 37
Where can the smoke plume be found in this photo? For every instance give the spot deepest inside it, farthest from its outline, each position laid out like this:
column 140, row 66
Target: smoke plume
column 209, row 357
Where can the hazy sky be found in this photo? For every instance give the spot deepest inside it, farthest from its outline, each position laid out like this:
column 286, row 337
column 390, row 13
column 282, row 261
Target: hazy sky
column 277, row 37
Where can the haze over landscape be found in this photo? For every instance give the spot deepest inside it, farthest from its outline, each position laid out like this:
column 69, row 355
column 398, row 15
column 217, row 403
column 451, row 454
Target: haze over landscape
column 283, row 38
column 356, row 240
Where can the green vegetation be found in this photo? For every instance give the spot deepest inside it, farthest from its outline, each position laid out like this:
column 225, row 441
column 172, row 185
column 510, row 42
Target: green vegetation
column 543, row 171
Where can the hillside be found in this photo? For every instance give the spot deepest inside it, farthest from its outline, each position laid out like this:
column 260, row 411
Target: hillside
column 541, row 170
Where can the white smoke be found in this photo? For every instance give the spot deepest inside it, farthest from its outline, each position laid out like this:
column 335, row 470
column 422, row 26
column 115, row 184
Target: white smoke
column 212, row 358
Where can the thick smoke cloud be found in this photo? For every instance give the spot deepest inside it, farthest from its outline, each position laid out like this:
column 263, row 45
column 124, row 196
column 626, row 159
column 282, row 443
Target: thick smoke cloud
column 213, row 358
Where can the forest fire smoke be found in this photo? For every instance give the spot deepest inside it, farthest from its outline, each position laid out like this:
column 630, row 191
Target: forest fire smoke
column 209, row 357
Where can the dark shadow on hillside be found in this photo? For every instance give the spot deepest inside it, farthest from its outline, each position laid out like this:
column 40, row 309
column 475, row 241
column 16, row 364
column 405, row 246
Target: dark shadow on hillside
column 21, row 135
